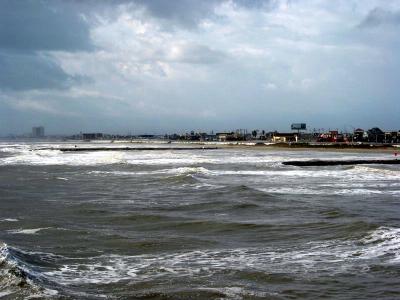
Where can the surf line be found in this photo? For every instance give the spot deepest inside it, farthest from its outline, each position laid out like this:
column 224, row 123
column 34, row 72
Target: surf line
column 92, row 149
column 310, row 163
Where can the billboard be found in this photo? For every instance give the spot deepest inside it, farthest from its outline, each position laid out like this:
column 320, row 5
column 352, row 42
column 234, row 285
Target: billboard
column 299, row 126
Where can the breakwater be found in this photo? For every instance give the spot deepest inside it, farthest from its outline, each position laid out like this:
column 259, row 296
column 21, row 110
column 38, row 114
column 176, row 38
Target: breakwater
column 310, row 163
column 364, row 146
column 92, row 149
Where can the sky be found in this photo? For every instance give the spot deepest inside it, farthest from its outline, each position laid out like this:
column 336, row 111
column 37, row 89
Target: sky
column 158, row 66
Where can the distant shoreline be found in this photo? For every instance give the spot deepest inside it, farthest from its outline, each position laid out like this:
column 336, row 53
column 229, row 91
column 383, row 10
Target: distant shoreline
column 319, row 149
column 262, row 145
column 281, row 146
column 323, row 148
column 251, row 145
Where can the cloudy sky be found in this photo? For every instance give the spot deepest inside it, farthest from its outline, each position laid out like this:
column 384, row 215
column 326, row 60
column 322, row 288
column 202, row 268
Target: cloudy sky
column 156, row 66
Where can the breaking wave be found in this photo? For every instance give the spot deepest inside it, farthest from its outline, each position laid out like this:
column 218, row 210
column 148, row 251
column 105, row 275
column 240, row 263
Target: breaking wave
column 381, row 246
column 27, row 231
column 18, row 277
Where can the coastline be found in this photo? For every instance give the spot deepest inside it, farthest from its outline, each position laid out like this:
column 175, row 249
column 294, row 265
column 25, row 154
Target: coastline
column 261, row 145
column 318, row 148
column 249, row 145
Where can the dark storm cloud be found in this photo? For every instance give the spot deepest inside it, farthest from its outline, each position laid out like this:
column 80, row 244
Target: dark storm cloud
column 379, row 16
column 256, row 3
column 21, row 71
column 28, row 29
column 185, row 12
column 42, row 25
column 189, row 13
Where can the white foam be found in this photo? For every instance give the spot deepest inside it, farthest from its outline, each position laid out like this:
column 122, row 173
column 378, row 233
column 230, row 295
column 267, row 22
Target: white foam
column 234, row 292
column 318, row 190
column 381, row 242
column 346, row 182
column 14, row 148
column 27, row 231
column 7, row 260
column 55, row 157
column 186, row 170
column 381, row 246
column 172, row 171
column 261, row 170
column 9, row 220
column 110, row 271
column 340, row 174
column 24, row 155
column 167, row 158
column 6, row 293
column 208, row 186
column 3, row 251
column 10, row 149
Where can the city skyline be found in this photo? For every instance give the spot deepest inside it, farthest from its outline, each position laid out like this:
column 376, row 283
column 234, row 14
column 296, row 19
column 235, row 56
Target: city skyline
column 39, row 131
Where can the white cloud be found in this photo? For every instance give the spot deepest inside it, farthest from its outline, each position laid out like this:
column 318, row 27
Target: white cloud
column 149, row 67
column 269, row 86
column 45, row 107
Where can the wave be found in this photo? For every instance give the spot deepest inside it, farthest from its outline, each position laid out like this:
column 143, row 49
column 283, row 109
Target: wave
column 358, row 173
column 9, row 220
column 173, row 171
column 14, row 148
column 35, row 156
column 185, row 176
column 183, row 224
column 27, row 231
column 18, row 278
column 383, row 242
column 268, row 167
column 232, row 292
column 380, row 246
column 377, row 172
column 302, row 190
column 56, row 157
column 245, row 206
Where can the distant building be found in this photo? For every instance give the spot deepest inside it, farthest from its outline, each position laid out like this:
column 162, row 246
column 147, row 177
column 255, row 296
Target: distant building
column 359, row 135
column 232, row 136
column 332, row 136
column 284, row 137
column 376, row 135
column 91, row 136
column 225, row 136
column 392, row 137
column 210, row 137
column 38, row 132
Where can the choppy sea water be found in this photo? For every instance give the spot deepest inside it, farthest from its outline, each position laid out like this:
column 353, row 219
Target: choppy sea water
column 219, row 224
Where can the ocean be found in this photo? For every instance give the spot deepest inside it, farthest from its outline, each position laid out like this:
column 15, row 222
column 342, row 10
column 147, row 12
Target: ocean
column 231, row 223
